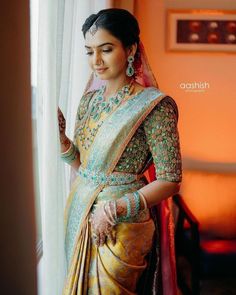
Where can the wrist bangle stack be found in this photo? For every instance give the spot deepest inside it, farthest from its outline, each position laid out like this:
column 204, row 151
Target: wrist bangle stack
column 70, row 155
column 136, row 202
column 143, row 199
column 133, row 203
column 67, row 149
column 133, row 207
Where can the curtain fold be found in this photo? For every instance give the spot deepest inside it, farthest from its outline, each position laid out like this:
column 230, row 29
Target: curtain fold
column 50, row 168
column 62, row 75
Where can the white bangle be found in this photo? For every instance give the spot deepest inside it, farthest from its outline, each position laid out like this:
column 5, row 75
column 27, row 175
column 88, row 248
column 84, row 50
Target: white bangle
column 144, row 199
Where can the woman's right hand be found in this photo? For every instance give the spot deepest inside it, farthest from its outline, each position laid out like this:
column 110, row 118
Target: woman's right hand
column 101, row 228
column 65, row 142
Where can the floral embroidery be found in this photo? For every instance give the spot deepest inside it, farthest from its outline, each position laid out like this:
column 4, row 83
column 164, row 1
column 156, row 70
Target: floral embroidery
column 135, row 154
column 159, row 135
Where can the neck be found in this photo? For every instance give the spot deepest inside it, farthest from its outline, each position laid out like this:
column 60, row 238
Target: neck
column 112, row 86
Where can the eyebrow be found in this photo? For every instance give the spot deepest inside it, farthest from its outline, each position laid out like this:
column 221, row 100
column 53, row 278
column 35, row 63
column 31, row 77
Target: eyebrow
column 107, row 43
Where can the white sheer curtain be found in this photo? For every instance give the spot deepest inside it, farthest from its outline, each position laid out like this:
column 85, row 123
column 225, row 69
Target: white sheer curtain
column 62, row 73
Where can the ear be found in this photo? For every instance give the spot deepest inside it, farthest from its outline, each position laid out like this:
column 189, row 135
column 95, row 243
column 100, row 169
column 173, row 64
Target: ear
column 131, row 50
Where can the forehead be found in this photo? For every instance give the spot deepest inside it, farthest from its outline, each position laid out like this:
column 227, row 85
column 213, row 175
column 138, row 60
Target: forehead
column 100, row 37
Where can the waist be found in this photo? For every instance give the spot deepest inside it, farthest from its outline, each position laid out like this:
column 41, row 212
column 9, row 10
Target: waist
column 115, row 178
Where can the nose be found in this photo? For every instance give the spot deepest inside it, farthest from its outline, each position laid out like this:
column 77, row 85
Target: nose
column 97, row 59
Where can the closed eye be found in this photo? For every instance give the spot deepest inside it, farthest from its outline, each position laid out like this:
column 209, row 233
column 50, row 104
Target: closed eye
column 107, row 50
column 104, row 50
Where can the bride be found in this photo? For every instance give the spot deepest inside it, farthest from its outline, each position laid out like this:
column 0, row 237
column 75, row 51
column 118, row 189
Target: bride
column 123, row 124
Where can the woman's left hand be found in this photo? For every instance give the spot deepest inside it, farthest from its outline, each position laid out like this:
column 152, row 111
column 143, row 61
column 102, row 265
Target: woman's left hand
column 101, row 228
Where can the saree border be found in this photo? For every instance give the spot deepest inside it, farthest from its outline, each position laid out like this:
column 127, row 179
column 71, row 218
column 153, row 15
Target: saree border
column 134, row 129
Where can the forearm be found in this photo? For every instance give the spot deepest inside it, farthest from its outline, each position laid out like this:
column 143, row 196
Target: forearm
column 153, row 192
column 70, row 153
column 159, row 190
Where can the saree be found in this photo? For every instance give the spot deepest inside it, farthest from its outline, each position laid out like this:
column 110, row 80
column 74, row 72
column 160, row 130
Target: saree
column 109, row 269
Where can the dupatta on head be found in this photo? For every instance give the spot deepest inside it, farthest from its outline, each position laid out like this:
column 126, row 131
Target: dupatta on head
column 163, row 278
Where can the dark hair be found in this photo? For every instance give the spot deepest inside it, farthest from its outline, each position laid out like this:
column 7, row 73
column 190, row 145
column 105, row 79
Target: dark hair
column 120, row 23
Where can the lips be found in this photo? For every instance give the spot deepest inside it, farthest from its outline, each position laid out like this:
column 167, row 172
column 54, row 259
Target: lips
column 101, row 70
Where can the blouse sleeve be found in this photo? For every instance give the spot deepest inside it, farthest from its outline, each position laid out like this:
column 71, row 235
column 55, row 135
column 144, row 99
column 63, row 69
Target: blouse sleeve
column 162, row 137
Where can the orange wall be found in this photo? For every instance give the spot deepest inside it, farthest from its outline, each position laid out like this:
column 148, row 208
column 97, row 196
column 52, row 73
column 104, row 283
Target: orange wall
column 207, row 123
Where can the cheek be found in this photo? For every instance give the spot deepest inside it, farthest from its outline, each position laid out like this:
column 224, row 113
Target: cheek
column 119, row 61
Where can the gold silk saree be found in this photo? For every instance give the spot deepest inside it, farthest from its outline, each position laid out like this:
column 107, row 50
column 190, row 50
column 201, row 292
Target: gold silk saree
column 109, row 269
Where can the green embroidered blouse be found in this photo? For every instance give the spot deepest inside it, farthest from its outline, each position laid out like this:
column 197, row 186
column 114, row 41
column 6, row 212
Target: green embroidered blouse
column 157, row 137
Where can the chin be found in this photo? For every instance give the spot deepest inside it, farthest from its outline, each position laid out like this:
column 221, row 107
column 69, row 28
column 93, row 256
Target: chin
column 103, row 77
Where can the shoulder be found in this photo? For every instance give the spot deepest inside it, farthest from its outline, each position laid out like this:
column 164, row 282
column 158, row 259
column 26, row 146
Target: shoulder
column 165, row 111
column 169, row 105
column 138, row 88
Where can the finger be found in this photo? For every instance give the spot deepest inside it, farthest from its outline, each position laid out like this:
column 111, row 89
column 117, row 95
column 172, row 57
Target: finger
column 59, row 111
column 95, row 237
column 93, row 230
column 97, row 240
column 102, row 239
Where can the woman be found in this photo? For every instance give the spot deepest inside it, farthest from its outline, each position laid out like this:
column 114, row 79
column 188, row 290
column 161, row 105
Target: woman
column 123, row 124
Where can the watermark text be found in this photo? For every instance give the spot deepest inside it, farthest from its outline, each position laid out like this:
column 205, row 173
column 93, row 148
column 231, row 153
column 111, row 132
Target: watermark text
column 194, row 86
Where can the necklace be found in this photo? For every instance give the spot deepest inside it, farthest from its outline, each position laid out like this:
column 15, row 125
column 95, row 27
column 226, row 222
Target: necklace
column 99, row 106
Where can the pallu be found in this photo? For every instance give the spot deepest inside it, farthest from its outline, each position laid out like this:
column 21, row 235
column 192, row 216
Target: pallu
column 109, row 269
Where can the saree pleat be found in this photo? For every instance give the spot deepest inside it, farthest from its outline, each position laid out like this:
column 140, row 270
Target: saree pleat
column 112, row 266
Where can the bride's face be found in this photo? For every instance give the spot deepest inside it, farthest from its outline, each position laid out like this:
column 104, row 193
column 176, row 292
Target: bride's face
column 106, row 55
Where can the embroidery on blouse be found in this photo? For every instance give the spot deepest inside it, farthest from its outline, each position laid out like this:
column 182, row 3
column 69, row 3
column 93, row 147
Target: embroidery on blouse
column 158, row 135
